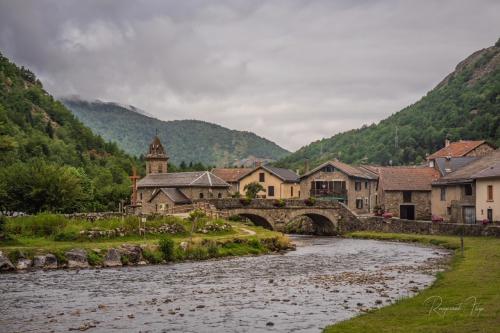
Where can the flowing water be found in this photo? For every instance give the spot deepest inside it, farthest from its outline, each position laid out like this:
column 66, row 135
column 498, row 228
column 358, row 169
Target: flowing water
column 324, row 281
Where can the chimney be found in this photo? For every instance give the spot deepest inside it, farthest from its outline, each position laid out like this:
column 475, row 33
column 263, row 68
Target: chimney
column 446, row 142
column 306, row 165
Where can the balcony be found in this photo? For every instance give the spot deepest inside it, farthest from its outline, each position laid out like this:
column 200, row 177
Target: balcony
column 328, row 193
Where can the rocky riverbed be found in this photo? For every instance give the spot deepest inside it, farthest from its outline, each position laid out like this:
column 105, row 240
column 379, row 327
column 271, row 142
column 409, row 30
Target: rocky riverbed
column 326, row 280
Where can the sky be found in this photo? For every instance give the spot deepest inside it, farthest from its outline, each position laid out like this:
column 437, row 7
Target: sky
column 291, row 71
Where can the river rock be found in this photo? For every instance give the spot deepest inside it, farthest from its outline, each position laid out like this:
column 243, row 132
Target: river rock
column 112, row 258
column 77, row 258
column 48, row 261
column 23, row 264
column 133, row 252
column 5, row 264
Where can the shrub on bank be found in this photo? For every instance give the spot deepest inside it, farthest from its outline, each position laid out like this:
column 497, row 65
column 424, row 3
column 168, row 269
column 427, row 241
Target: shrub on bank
column 152, row 256
column 167, row 248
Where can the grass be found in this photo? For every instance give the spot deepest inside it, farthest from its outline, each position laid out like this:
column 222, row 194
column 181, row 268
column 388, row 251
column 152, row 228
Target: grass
column 476, row 274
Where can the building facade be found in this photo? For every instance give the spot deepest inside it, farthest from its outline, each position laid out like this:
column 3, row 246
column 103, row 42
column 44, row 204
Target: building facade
column 278, row 183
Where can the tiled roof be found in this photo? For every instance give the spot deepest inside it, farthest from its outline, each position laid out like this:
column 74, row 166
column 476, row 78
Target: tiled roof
column 173, row 194
column 231, row 175
column 457, row 149
column 445, row 165
column 491, row 171
column 407, row 178
column 284, row 174
column 350, row 170
column 468, row 172
column 182, row 179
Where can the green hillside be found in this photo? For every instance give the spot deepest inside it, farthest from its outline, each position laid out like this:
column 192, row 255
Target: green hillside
column 185, row 140
column 465, row 105
column 49, row 161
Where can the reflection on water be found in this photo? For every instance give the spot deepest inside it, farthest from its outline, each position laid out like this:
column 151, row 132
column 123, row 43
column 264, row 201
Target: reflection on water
column 324, row 281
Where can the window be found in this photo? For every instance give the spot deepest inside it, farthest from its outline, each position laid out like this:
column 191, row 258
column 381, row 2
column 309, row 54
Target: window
column 443, row 193
column 270, row 191
column 201, row 195
column 490, row 193
column 359, row 203
column 357, row 186
column 366, row 201
column 468, row 189
column 448, row 211
column 140, row 196
column 262, row 177
column 162, row 206
column 328, row 168
column 219, row 195
column 366, row 184
column 291, row 191
column 406, row 196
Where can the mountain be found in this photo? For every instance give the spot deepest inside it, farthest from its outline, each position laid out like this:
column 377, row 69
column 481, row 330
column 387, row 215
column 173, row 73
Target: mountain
column 465, row 105
column 185, row 140
column 49, row 161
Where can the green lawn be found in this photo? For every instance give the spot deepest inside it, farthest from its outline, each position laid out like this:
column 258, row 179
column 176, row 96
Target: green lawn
column 473, row 277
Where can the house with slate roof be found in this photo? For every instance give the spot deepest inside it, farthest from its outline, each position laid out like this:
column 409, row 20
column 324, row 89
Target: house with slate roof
column 159, row 190
column 333, row 180
column 278, row 183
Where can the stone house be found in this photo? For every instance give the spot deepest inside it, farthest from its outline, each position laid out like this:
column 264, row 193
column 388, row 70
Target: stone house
column 454, row 195
column 488, row 193
column 462, row 148
column 231, row 176
column 278, row 183
column 159, row 190
column 333, row 180
column 406, row 191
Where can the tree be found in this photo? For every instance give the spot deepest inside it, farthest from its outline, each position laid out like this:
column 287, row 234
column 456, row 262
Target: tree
column 252, row 189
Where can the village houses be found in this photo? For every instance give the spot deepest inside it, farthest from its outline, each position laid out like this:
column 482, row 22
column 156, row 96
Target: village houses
column 278, row 183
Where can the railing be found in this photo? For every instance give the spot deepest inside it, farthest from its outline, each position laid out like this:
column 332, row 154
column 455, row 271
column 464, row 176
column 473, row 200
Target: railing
column 328, row 193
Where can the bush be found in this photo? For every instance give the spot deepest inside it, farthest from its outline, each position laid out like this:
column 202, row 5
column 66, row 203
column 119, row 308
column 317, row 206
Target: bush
column 245, row 201
column 196, row 215
column 212, row 249
column 310, row 201
column 153, row 257
column 279, row 203
column 38, row 225
column 66, row 235
column 197, row 252
column 94, row 258
column 167, row 248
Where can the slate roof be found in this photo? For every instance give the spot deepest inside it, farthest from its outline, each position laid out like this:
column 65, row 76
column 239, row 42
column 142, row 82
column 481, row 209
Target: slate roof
column 467, row 173
column 453, row 163
column 173, row 194
column 182, row 179
column 407, row 178
column 491, row 171
column 286, row 175
column 457, row 149
column 231, row 175
column 350, row 170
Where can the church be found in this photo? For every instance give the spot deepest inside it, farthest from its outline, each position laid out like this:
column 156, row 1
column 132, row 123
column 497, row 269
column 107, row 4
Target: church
column 159, row 190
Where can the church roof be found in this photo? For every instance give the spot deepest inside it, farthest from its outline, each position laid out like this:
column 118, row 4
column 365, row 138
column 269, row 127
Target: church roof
column 182, row 179
column 173, row 194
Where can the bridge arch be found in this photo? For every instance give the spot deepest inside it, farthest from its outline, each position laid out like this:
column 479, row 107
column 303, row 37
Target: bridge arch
column 324, row 222
column 256, row 217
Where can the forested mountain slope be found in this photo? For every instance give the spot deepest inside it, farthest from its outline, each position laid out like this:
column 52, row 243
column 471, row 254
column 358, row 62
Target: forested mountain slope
column 465, row 105
column 49, row 161
column 185, row 140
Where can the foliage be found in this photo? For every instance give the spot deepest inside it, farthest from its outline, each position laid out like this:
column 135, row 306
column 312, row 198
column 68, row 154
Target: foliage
column 464, row 106
column 167, row 248
column 188, row 142
column 94, row 258
column 196, row 215
column 279, row 203
column 49, row 161
column 152, row 256
column 252, row 189
column 310, row 201
column 245, row 201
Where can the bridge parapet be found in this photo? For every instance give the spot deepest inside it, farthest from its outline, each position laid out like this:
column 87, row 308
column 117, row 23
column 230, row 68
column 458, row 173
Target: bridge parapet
column 234, row 203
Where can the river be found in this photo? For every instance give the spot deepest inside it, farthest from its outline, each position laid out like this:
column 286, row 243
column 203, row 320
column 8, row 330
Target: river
column 325, row 280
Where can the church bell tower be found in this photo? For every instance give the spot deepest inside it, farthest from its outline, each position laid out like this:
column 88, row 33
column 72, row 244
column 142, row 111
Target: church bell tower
column 156, row 159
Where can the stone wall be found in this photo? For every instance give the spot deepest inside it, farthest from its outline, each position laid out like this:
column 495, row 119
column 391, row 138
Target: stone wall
column 379, row 224
column 392, row 200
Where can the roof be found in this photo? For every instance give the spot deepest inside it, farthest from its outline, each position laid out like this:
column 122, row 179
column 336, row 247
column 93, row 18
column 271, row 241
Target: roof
column 457, row 149
column 173, row 194
column 156, row 149
column 182, row 179
column 286, row 175
column 407, row 178
column 446, row 165
column 231, row 175
column 350, row 170
column 469, row 172
column 491, row 171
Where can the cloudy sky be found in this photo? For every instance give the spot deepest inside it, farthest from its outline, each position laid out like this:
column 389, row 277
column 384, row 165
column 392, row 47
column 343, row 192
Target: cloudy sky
column 291, row 71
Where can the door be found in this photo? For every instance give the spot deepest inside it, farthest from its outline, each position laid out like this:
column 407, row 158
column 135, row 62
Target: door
column 469, row 215
column 407, row 212
column 490, row 214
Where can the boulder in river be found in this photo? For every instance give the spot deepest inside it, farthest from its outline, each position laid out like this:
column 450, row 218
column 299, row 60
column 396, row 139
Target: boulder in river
column 5, row 264
column 23, row 264
column 112, row 258
column 77, row 258
column 48, row 261
column 132, row 252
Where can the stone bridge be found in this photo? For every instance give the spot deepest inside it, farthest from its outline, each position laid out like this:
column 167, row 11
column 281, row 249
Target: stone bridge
column 328, row 218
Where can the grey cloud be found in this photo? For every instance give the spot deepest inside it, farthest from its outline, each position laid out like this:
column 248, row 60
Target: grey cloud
column 292, row 71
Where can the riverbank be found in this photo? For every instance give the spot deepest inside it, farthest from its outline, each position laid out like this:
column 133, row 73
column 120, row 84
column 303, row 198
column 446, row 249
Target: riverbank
column 53, row 241
column 465, row 298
